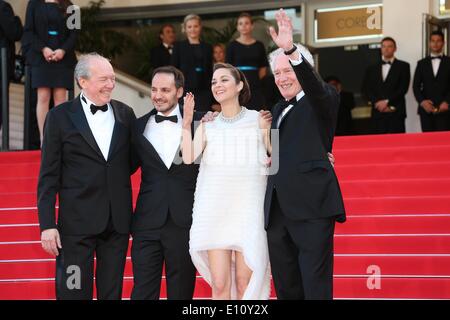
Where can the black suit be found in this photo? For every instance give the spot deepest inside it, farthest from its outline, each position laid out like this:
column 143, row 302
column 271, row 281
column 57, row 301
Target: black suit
column 36, row 36
column 95, row 202
column 435, row 88
column 160, row 56
column 161, row 222
column 344, row 124
column 394, row 89
column 10, row 32
column 303, row 198
column 184, row 57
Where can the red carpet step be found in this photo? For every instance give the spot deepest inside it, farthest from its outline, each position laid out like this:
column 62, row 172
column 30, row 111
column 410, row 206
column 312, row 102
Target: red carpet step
column 397, row 195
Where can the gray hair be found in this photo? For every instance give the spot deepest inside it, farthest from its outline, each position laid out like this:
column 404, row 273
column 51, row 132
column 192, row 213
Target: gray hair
column 82, row 69
column 303, row 51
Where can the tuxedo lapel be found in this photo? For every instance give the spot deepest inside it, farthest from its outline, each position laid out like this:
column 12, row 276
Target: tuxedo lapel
column 441, row 67
column 79, row 120
column 392, row 71
column 147, row 144
column 117, row 131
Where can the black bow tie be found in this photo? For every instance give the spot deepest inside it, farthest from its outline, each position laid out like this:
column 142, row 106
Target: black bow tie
column 159, row 118
column 386, row 62
column 437, row 57
column 287, row 103
column 95, row 108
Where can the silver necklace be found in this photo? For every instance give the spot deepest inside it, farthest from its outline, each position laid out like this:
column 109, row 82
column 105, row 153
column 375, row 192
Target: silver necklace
column 235, row 118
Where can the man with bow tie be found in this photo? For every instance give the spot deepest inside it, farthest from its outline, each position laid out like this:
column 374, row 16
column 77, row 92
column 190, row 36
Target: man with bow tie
column 160, row 55
column 163, row 213
column 385, row 85
column 303, row 199
column 86, row 162
column 432, row 86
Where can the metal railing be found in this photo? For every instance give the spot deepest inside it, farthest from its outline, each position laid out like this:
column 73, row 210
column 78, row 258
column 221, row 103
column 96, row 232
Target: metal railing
column 5, row 99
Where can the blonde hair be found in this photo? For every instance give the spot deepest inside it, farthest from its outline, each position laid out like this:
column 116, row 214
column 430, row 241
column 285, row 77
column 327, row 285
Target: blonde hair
column 188, row 18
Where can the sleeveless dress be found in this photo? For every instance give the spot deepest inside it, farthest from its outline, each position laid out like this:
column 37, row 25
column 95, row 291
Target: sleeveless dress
column 228, row 208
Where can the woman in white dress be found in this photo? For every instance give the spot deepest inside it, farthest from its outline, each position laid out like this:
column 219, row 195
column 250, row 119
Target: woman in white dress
column 228, row 243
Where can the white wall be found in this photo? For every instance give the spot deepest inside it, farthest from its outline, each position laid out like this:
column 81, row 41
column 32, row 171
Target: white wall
column 402, row 20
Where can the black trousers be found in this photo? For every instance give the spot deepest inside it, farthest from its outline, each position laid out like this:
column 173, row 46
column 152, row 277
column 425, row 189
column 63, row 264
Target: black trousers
column 75, row 265
column 389, row 123
column 435, row 122
column 150, row 250
column 301, row 256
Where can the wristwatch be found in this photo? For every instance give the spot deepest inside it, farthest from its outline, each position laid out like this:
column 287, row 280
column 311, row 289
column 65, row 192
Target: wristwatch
column 291, row 51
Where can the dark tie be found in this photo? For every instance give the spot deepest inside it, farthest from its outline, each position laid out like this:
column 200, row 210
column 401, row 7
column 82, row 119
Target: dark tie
column 437, row 57
column 286, row 103
column 386, row 62
column 95, row 108
column 159, row 118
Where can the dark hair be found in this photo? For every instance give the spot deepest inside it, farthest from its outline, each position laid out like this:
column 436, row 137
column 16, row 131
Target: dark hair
column 332, row 78
column 63, row 5
column 245, row 94
column 245, row 15
column 165, row 26
column 389, row 39
column 177, row 74
column 438, row 33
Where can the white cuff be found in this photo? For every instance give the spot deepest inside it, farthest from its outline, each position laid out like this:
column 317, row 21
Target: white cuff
column 297, row 62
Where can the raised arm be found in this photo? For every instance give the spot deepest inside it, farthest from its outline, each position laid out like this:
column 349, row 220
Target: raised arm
column 323, row 95
column 191, row 149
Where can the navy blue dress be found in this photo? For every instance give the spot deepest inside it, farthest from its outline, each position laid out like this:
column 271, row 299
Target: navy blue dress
column 53, row 74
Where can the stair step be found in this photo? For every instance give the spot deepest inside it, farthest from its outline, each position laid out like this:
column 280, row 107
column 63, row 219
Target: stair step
column 392, row 140
column 388, row 171
column 344, row 244
column 344, row 288
column 395, row 188
column 389, row 266
column 391, row 155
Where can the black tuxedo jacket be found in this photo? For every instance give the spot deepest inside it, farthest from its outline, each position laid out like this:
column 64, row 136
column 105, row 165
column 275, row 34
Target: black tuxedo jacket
column 306, row 184
column 10, row 31
column 35, row 36
column 162, row 190
column 160, row 56
column 393, row 89
column 73, row 167
column 183, row 58
column 427, row 86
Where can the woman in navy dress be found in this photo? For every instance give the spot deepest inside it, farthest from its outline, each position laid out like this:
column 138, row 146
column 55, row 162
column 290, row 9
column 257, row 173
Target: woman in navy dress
column 49, row 46
column 194, row 58
column 249, row 56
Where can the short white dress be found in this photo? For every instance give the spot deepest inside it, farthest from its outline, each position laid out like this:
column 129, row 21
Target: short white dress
column 228, row 209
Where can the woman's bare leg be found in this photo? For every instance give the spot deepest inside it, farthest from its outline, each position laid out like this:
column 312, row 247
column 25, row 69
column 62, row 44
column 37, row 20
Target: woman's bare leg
column 220, row 267
column 243, row 275
column 43, row 101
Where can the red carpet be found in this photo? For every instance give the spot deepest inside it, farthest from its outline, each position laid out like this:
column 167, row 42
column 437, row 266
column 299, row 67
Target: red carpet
column 397, row 196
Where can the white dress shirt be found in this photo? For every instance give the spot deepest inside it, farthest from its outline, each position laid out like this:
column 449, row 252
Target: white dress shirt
column 101, row 124
column 385, row 68
column 300, row 95
column 436, row 63
column 165, row 136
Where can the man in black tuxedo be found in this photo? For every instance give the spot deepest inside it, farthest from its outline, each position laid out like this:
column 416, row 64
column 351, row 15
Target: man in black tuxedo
column 303, row 199
column 386, row 84
column 160, row 55
column 344, row 126
column 432, row 86
column 163, row 214
column 86, row 161
column 11, row 30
